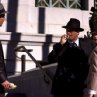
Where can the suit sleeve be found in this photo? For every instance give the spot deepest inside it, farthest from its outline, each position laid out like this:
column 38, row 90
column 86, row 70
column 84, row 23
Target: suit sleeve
column 92, row 76
column 3, row 76
column 53, row 55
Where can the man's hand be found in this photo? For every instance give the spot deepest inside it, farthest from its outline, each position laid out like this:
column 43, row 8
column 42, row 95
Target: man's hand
column 63, row 39
column 6, row 84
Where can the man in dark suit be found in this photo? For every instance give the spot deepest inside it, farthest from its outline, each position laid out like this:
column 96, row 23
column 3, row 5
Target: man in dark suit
column 4, row 83
column 72, row 57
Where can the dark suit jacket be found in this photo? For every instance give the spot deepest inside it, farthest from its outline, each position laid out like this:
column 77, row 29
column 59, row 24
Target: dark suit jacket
column 3, row 75
column 84, row 43
column 72, row 68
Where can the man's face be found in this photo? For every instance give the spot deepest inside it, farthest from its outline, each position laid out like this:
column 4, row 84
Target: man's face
column 73, row 35
column 2, row 18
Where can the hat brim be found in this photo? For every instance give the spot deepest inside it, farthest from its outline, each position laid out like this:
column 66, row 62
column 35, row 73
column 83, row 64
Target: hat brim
column 74, row 29
column 3, row 12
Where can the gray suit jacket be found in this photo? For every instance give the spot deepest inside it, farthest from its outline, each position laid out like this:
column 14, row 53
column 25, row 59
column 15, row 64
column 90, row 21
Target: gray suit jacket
column 92, row 76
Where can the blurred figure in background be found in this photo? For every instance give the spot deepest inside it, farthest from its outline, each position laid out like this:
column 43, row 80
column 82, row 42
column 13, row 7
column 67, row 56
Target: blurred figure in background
column 91, row 82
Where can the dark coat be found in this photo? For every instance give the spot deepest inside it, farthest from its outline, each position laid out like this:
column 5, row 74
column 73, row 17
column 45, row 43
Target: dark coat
column 3, row 75
column 84, row 43
column 72, row 69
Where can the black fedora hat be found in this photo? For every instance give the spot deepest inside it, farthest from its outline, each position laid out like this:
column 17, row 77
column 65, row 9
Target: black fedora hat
column 2, row 9
column 73, row 25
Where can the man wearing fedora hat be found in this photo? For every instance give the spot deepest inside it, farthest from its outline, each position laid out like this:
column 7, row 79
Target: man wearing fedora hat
column 4, row 83
column 72, row 26
column 72, row 59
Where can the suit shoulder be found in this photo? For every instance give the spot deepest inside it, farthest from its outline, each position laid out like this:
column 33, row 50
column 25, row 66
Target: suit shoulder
column 85, row 39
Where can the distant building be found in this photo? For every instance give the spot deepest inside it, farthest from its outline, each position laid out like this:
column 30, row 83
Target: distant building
column 36, row 24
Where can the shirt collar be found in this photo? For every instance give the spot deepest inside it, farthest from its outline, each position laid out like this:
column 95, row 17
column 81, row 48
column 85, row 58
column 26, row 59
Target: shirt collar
column 77, row 42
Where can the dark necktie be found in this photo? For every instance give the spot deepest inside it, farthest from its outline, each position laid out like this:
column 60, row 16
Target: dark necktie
column 73, row 44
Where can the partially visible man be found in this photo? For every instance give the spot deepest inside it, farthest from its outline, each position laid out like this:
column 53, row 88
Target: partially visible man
column 4, row 83
column 91, row 82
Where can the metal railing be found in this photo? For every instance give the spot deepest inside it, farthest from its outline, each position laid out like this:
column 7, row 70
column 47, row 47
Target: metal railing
column 47, row 77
